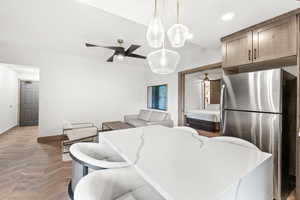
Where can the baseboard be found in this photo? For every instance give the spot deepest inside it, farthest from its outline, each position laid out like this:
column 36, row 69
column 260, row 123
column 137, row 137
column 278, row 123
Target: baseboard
column 8, row 129
column 53, row 138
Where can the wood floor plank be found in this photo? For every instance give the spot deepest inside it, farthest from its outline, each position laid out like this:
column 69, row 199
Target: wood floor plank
column 30, row 170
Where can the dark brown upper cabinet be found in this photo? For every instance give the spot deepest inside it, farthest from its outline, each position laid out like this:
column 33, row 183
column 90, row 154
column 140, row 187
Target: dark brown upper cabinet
column 237, row 50
column 267, row 41
column 276, row 40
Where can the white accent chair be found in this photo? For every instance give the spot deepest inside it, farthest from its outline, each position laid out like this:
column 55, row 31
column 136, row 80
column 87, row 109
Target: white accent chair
column 92, row 156
column 148, row 118
column 237, row 141
column 115, row 184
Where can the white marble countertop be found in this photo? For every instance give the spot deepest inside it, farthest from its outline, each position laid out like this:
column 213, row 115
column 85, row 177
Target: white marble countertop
column 177, row 164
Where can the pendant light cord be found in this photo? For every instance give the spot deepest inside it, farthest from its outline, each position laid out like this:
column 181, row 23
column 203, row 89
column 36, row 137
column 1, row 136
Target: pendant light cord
column 177, row 11
column 155, row 8
column 163, row 19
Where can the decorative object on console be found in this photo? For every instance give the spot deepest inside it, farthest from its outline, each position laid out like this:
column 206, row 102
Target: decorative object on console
column 178, row 34
column 120, row 51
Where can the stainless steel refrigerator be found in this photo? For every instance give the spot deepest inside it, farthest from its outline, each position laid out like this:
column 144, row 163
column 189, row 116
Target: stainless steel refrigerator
column 261, row 107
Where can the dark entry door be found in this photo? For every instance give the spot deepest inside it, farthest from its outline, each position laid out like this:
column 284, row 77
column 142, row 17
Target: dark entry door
column 29, row 103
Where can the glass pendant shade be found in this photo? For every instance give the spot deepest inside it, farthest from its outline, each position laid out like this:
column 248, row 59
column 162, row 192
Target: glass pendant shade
column 163, row 61
column 178, row 34
column 155, row 33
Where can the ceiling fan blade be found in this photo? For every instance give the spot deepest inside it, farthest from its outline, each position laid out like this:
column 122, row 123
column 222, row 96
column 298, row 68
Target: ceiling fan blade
column 111, row 59
column 116, row 48
column 91, row 45
column 136, row 56
column 132, row 48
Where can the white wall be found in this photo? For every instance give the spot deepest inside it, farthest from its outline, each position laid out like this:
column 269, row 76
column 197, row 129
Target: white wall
column 29, row 76
column 74, row 88
column 292, row 69
column 191, row 57
column 8, row 98
column 194, row 93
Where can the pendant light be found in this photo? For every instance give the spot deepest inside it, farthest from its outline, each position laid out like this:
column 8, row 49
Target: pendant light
column 163, row 61
column 155, row 33
column 178, row 33
column 206, row 77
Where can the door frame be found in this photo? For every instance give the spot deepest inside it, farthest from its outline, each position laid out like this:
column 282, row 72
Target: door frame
column 19, row 99
column 298, row 113
column 181, row 87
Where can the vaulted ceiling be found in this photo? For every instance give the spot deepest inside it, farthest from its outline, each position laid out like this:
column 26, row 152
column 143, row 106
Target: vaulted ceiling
column 65, row 25
column 203, row 17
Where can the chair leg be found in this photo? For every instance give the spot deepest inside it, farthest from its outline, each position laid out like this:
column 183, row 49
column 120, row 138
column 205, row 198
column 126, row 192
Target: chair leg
column 70, row 190
column 85, row 170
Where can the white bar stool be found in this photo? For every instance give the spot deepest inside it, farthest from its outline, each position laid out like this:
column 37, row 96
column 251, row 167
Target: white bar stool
column 114, row 184
column 92, row 156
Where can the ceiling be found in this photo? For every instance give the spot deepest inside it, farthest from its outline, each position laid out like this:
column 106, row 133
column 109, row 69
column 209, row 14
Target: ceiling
column 203, row 17
column 63, row 26
column 24, row 71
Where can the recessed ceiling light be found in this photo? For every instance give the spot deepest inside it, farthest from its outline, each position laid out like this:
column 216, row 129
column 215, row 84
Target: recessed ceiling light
column 228, row 16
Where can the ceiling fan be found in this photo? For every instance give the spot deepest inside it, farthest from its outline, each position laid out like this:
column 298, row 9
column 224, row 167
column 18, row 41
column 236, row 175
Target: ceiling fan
column 120, row 51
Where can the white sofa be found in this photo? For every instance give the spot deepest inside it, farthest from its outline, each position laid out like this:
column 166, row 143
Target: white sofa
column 148, row 118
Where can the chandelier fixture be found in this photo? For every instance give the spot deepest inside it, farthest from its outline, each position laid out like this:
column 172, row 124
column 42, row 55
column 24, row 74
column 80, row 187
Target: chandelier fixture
column 155, row 33
column 178, row 33
column 206, row 77
column 163, row 61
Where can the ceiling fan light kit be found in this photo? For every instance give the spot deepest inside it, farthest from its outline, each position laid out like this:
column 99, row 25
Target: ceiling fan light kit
column 120, row 57
column 119, row 51
column 163, row 61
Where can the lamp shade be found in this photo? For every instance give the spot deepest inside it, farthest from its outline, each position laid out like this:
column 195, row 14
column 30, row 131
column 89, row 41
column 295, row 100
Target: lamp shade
column 178, row 34
column 163, row 61
column 155, row 33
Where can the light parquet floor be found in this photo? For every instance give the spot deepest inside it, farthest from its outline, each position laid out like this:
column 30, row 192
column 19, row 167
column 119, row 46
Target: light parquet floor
column 29, row 170
column 34, row 171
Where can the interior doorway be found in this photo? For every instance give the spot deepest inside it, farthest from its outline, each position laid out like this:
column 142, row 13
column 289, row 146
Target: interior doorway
column 29, row 103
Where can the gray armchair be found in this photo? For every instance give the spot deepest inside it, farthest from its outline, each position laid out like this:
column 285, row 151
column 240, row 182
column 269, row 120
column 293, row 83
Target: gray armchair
column 148, row 118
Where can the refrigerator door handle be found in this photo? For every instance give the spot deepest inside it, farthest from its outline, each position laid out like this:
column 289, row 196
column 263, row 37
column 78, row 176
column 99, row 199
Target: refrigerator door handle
column 222, row 119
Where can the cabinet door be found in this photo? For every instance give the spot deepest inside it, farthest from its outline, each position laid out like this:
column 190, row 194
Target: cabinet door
column 237, row 50
column 275, row 40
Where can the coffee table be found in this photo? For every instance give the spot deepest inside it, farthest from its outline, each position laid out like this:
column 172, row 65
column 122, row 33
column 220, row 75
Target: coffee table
column 115, row 125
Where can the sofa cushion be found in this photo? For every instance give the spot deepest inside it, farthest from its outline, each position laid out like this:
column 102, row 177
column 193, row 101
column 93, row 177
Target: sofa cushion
column 157, row 116
column 137, row 122
column 144, row 115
